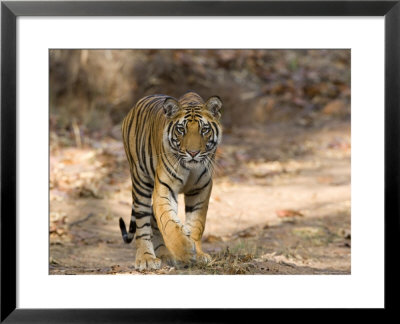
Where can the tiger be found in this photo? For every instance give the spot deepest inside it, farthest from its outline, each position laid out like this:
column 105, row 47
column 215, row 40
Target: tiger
column 170, row 145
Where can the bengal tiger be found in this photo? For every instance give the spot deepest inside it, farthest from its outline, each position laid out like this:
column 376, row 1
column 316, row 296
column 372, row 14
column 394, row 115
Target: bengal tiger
column 170, row 145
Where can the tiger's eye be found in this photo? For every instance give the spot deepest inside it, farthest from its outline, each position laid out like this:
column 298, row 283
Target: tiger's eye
column 180, row 129
column 205, row 130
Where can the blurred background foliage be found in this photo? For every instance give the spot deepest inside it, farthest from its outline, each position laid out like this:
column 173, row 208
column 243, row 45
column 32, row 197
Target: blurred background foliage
column 92, row 90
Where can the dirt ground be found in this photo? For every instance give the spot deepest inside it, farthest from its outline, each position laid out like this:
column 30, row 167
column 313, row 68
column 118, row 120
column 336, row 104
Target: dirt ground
column 280, row 204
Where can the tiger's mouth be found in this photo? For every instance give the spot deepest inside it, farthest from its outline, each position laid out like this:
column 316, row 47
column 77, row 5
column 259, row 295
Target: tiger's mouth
column 193, row 162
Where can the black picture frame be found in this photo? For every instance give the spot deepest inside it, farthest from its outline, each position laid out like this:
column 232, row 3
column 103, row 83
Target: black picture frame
column 11, row 10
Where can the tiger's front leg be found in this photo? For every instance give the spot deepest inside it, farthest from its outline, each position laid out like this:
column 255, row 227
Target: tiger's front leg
column 175, row 234
column 145, row 255
column 160, row 249
column 196, row 206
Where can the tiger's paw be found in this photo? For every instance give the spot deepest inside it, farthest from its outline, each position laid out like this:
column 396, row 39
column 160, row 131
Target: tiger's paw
column 165, row 256
column 147, row 261
column 182, row 248
column 203, row 257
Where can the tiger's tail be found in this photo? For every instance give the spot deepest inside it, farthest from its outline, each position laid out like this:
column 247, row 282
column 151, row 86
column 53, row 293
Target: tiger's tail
column 127, row 236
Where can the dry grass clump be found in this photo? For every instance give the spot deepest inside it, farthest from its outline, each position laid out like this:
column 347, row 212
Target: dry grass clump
column 228, row 261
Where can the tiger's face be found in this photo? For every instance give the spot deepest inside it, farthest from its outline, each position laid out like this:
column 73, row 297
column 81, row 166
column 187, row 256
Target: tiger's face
column 193, row 130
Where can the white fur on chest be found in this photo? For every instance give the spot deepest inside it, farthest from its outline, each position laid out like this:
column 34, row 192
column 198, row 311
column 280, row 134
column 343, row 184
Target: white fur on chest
column 194, row 178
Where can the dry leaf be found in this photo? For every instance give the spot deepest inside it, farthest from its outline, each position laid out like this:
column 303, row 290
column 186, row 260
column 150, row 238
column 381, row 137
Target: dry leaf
column 288, row 213
column 336, row 108
column 212, row 238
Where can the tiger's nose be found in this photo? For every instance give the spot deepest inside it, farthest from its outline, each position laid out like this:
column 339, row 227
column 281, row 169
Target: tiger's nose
column 193, row 153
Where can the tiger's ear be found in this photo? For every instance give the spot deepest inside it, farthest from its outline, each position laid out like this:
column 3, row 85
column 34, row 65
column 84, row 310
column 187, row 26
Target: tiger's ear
column 214, row 105
column 170, row 106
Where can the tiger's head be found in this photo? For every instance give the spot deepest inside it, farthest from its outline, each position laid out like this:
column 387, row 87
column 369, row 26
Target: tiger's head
column 193, row 129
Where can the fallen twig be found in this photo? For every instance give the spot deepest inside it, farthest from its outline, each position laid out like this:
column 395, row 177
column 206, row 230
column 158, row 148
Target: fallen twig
column 81, row 220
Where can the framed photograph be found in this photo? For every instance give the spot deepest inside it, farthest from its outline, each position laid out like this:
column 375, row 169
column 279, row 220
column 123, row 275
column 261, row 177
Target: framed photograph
column 159, row 158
